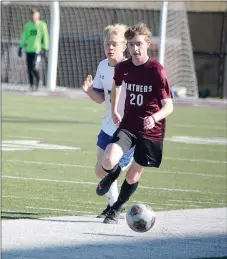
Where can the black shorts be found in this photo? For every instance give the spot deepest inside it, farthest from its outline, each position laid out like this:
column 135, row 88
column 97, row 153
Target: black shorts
column 147, row 153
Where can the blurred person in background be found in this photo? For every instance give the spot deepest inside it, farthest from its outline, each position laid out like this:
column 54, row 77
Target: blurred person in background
column 35, row 41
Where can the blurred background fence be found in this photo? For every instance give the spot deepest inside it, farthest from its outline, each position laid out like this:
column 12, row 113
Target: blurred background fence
column 207, row 23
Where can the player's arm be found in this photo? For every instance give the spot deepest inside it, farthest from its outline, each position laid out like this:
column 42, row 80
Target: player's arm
column 97, row 95
column 45, row 39
column 165, row 111
column 23, row 41
column 23, row 38
column 164, row 94
column 115, row 93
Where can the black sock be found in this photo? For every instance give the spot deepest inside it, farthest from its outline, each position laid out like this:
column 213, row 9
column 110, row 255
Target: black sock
column 126, row 192
column 115, row 171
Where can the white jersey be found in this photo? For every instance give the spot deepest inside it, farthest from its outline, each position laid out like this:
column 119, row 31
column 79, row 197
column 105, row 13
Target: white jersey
column 103, row 82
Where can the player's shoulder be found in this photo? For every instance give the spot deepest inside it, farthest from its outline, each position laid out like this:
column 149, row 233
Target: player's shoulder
column 123, row 64
column 103, row 64
column 154, row 64
column 42, row 24
column 29, row 23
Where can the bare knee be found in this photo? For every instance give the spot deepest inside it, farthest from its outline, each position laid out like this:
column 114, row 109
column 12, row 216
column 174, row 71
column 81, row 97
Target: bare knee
column 111, row 157
column 107, row 163
column 132, row 180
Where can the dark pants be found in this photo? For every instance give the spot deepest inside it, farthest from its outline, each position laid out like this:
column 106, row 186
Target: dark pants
column 33, row 65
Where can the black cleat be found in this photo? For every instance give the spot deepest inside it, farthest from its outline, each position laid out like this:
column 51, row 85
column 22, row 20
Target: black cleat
column 104, row 185
column 105, row 212
column 112, row 217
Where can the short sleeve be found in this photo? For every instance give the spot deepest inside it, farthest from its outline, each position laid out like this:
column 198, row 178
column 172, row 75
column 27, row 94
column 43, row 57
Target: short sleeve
column 97, row 84
column 118, row 78
column 161, row 84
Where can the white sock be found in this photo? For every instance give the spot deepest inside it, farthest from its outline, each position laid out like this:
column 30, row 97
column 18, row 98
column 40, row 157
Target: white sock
column 113, row 193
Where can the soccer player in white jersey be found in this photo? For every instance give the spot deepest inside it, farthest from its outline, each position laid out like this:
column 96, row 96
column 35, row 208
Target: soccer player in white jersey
column 99, row 90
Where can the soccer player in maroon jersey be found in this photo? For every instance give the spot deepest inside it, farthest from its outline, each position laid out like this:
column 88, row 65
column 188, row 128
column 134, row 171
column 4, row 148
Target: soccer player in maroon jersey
column 148, row 103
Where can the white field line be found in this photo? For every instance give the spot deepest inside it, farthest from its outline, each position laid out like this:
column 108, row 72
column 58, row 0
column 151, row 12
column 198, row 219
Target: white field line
column 23, row 137
column 76, row 201
column 190, row 173
column 196, row 160
column 202, row 147
column 92, row 183
column 199, row 126
column 180, row 205
column 28, row 198
column 51, row 199
column 49, row 130
column 51, row 209
column 64, row 210
column 54, row 131
column 208, row 201
column 94, row 205
column 39, row 138
column 47, row 163
column 77, row 204
column 30, row 207
column 198, row 202
column 16, row 211
column 55, row 189
column 65, row 140
column 84, row 166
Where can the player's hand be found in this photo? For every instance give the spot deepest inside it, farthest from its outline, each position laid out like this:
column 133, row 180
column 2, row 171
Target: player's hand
column 148, row 122
column 19, row 52
column 116, row 118
column 87, row 85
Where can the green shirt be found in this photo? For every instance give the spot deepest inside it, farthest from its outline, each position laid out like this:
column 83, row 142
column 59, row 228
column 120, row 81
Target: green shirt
column 35, row 37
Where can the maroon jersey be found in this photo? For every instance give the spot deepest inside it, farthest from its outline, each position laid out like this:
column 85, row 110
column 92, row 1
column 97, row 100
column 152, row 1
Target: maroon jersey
column 146, row 85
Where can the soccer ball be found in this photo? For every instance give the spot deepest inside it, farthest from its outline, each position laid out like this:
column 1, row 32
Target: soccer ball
column 140, row 218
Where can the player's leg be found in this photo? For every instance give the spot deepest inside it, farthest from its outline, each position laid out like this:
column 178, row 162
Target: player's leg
column 36, row 68
column 111, row 158
column 29, row 58
column 100, row 173
column 128, row 187
column 112, row 195
column 122, row 142
column 147, row 154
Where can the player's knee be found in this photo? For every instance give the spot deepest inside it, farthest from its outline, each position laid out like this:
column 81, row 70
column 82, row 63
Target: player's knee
column 131, row 180
column 107, row 164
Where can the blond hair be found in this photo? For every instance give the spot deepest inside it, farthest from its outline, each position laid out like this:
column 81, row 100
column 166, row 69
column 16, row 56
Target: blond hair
column 138, row 29
column 115, row 29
